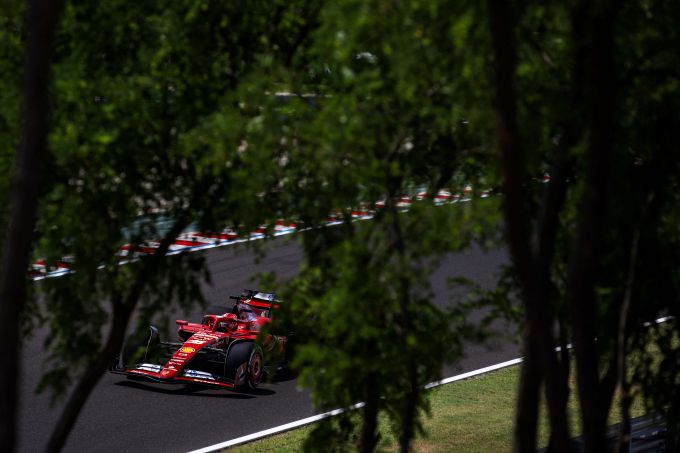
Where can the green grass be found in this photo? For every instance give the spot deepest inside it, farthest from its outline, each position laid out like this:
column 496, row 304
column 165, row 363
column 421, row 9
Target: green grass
column 474, row 415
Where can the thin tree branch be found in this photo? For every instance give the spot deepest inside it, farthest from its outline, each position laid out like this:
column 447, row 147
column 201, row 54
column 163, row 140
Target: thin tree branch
column 624, row 387
column 122, row 310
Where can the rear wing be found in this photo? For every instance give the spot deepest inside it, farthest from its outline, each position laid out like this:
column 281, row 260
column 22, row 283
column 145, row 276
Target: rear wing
column 261, row 302
column 258, row 295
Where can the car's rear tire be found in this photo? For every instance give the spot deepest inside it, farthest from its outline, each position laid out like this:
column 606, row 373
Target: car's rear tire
column 244, row 364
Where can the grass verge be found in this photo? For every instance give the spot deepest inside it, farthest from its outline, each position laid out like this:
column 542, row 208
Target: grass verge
column 474, row 415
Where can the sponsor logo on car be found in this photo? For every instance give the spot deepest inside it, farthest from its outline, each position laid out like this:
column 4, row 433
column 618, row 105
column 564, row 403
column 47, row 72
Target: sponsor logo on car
column 205, row 337
column 198, row 374
column 187, row 349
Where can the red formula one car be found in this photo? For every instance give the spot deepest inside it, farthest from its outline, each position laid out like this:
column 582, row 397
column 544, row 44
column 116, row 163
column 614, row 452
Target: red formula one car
column 225, row 350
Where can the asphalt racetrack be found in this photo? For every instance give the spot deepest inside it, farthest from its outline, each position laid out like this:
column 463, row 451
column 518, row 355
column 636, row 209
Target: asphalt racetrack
column 128, row 416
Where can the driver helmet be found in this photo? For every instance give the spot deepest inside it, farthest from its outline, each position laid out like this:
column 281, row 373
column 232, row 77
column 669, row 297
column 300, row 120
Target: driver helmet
column 245, row 313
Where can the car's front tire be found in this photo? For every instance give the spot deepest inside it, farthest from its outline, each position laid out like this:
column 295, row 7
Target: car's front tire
column 244, row 364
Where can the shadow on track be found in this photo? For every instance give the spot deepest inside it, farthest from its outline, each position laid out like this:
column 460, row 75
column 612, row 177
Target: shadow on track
column 196, row 390
column 281, row 375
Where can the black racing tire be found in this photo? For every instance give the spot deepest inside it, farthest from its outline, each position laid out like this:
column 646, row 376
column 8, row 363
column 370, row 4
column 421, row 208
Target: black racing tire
column 244, row 364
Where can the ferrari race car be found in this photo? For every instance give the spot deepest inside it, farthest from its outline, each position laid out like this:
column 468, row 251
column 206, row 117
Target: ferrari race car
column 225, row 350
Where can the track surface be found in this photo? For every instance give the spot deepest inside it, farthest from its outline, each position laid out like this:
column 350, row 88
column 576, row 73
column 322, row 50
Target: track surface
column 123, row 415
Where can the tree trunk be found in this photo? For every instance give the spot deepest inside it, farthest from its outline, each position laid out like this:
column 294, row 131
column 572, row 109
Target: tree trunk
column 559, row 439
column 624, row 387
column 411, row 402
column 368, row 438
column 43, row 17
column 515, row 216
column 585, row 252
column 409, row 416
column 533, row 268
column 526, row 412
column 122, row 310
column 556, row 371
column 80, row 394
column 538, row 339
column 541, row 365
column 556, row 395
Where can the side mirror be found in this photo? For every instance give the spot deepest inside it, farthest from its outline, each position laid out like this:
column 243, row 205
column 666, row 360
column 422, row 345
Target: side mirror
column 181, row 322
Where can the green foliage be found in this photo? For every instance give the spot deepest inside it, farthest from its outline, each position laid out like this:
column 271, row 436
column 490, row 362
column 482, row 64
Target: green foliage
column 12, row 35
column 389, row 105
column 347, row 310
column 391, row 111
column 175, row 110
column 168, row 110
column 156, row 113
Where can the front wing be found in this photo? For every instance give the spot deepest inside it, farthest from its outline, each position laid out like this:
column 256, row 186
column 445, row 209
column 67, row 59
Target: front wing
column 151, row 372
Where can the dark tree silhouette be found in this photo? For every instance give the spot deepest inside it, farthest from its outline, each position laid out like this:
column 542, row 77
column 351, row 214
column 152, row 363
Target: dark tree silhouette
column 43, row 16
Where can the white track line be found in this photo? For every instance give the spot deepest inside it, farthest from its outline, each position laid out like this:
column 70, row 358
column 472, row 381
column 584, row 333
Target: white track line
column 316, row 418
column 275, row 430
column 474, row 373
